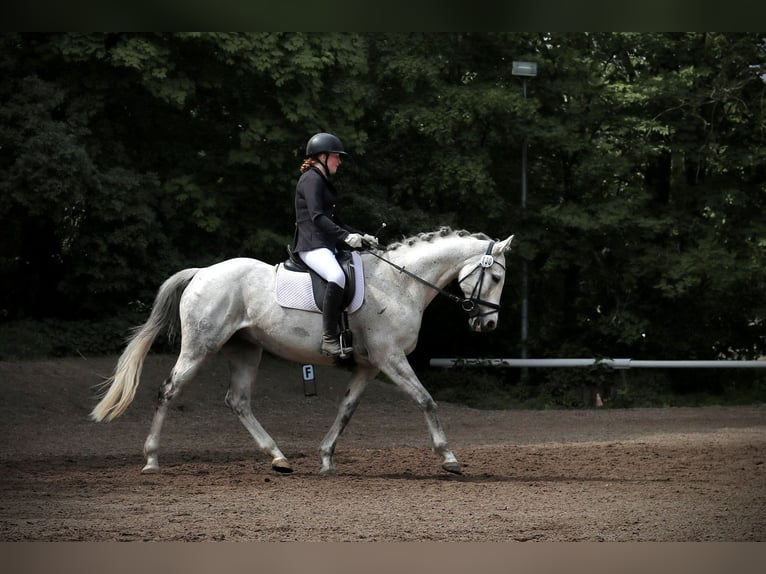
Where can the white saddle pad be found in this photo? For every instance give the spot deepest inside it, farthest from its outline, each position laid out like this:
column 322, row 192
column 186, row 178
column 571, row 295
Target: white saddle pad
column 293, row 288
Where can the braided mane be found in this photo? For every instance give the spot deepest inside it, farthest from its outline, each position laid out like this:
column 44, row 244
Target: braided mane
column 428, row 237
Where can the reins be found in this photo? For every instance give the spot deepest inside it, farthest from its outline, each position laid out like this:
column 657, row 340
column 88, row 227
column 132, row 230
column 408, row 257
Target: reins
column 467, row 304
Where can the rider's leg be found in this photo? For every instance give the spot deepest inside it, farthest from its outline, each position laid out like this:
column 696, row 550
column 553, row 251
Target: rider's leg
column 331, row 309
column 324, row 263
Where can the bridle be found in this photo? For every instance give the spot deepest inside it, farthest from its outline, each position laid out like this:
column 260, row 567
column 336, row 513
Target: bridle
column 468, row 304
column 485, row 263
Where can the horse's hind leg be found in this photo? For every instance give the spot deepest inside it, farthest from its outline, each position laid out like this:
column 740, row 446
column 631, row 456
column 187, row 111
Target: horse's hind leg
column 185, row 369
column 244, row 359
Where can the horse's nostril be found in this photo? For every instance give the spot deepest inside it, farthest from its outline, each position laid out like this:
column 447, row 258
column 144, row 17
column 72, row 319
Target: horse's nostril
column 490, row 326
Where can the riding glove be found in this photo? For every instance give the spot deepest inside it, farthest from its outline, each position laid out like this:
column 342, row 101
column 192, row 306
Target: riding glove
column 353, row 240
column 370, row 240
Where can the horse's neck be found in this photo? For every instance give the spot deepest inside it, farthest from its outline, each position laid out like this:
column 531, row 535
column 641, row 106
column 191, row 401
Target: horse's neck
column 439, row 261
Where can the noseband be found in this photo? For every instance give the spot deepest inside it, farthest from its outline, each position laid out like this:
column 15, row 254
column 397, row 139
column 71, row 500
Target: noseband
column 468, row 304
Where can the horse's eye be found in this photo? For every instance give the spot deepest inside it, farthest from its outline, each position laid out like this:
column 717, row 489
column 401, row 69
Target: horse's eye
column 496, row 278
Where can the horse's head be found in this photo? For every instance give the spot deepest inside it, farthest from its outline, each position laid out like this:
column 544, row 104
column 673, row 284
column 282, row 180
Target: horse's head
column 481, row 279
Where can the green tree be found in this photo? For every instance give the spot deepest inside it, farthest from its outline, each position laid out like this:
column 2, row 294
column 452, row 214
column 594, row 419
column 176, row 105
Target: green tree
column 125, row 156
column 648, row 234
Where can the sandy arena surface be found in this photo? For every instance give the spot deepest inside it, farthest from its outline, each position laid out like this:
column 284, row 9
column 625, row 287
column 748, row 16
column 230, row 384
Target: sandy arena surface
column 678, row 474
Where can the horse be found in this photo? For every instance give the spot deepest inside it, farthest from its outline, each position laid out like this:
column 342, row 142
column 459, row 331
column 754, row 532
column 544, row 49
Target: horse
column 231, row 307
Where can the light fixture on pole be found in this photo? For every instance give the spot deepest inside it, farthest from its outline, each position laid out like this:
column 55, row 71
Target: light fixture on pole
column 524, row 70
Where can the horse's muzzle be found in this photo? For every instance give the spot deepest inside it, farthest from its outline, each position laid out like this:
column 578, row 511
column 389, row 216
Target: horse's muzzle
column 482, row 324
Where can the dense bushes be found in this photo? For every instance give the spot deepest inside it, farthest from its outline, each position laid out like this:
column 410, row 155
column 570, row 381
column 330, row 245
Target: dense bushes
column 125, row 157
column 41, row 338
column 549, row 388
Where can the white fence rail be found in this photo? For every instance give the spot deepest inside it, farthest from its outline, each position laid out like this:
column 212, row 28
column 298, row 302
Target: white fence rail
column 613, row 363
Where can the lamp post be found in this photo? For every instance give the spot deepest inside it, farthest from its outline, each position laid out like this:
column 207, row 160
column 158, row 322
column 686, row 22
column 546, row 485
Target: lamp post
column 524, row 70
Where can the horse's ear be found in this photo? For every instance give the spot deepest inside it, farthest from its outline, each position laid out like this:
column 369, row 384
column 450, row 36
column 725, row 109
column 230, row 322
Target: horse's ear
column 502, row 246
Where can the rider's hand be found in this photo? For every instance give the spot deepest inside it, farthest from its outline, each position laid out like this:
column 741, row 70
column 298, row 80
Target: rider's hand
column 370, row 240
column 353, row 240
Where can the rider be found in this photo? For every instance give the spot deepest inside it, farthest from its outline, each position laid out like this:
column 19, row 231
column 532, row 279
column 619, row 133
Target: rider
column 320, row 232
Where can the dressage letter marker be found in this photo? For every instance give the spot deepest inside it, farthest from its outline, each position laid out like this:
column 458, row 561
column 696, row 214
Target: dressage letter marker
column 308, row 376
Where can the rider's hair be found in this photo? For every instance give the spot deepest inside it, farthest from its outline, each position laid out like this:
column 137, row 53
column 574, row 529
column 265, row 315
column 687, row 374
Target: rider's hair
column 307, row 164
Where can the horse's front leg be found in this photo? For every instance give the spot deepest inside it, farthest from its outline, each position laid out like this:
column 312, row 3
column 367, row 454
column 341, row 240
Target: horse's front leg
column 362, row 375
column 399, row 370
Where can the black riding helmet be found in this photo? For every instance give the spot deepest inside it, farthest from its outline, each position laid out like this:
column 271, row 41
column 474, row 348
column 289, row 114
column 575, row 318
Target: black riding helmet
column 324, row 143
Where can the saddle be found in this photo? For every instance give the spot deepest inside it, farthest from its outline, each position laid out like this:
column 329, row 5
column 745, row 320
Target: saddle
column 300, row 287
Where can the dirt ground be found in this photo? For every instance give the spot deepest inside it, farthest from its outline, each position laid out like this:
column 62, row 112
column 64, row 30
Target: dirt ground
column 679, row 474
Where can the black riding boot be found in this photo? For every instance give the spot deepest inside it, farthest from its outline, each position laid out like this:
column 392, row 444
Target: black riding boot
column 331, row 309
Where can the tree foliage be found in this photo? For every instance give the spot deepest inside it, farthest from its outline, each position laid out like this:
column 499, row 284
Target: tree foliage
column 125, row 156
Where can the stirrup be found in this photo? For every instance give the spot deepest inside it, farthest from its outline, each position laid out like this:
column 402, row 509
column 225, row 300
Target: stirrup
column 346, row 347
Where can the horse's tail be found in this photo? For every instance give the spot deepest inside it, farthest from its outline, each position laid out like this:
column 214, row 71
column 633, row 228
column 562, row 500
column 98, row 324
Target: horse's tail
column 165, row 314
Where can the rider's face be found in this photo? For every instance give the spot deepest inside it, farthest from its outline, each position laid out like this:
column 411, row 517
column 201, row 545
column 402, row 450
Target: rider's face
column 333, row 162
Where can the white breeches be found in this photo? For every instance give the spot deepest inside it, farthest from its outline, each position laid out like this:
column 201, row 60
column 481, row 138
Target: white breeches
column 323, row 261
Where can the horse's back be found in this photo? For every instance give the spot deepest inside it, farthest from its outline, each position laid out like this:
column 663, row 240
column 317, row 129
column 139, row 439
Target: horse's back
column 235, row 268
column 228, row 278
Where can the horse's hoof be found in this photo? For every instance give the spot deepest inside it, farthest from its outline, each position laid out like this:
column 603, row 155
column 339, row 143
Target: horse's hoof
column 453, row 467
column 328, row 472
column 281, row 465
column 150, row 469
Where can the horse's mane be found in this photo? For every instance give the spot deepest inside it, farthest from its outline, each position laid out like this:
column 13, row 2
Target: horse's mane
column 440, row 233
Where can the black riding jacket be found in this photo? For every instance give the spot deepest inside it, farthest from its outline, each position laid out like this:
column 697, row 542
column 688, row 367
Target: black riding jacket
column 316, row 222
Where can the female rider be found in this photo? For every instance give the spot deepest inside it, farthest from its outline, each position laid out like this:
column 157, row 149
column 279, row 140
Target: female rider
column 319, row 231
